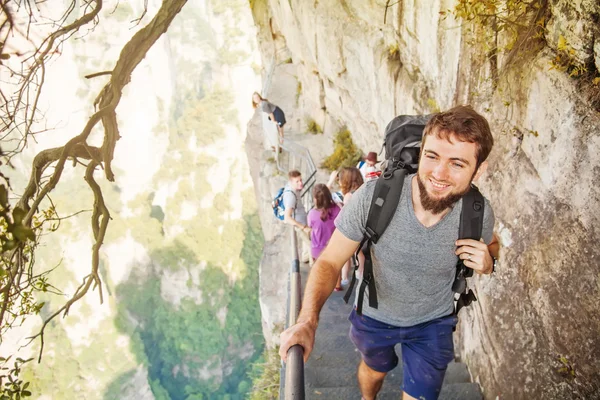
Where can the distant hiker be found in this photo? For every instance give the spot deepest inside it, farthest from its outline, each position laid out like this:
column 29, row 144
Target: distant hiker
column 274, row 112
column 368, row 167
column 320, row 220
column 349, row 180
column 411, row 268
column 295, row 213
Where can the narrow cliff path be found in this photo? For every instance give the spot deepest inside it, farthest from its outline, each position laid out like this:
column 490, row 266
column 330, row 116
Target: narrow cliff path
column 330, row 373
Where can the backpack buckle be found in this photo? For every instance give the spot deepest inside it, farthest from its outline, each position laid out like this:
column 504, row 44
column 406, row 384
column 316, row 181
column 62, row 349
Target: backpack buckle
column 371, row 234
column 396, row 163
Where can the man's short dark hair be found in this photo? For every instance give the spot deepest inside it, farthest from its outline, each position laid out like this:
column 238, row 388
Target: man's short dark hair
column 467, row 125
column 294, row 174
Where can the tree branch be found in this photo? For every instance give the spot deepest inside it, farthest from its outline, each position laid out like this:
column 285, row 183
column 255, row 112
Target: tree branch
column 98, row 74
column 77, row 147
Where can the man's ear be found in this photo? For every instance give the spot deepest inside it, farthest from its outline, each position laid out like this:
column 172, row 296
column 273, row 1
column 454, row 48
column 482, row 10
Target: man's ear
column 482, row 168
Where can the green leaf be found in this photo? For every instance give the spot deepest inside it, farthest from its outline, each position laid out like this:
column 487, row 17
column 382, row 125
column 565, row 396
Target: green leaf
column 25, row 393
column 23, row 233
column 9, row 245
column 18, row 215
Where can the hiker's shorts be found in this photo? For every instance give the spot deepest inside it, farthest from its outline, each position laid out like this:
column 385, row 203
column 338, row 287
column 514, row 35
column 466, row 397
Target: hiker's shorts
column 427, row 349
column 279, row 116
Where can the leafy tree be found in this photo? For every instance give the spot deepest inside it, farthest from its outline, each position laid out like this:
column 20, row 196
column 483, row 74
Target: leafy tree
column 24, row 217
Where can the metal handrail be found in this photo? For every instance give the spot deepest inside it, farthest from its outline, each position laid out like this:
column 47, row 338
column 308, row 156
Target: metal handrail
column 293, row 371
column 291, row 384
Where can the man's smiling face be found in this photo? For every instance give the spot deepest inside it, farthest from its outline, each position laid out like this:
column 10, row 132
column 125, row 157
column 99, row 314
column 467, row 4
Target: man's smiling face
column 446, row 169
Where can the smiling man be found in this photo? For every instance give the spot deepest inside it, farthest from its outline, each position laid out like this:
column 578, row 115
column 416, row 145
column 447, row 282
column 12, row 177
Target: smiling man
column 413, row 262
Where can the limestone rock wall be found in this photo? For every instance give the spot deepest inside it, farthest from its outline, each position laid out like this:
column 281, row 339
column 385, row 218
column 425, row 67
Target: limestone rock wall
column 534, row 331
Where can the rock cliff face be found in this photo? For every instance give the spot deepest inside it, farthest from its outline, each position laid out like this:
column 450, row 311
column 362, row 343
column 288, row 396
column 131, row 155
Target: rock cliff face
column 534, row 331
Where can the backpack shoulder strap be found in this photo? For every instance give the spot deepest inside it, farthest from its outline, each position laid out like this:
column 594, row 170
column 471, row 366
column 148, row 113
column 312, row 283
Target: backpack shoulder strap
column 386, row 196
column 471, row 227
column 471, row 217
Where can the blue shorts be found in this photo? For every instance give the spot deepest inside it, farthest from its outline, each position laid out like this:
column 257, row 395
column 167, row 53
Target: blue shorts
column 427, row 349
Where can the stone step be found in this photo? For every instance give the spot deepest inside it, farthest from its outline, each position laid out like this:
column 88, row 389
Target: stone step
column 461, row 391
column 457, row 373
column 333, row 351
column 345, row 375
column 456, row 391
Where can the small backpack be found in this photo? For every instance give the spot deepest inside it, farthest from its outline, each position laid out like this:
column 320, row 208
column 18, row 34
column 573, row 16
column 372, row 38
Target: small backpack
column 277, row 204
column 402, row 145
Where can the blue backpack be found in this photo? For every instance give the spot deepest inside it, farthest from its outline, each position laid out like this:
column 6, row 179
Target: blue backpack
column 277, row 204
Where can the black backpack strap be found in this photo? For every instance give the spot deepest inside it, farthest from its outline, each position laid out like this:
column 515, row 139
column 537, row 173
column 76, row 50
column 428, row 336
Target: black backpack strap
column 464, row 300
column 471, row 218
column 384, row 203
column 367, row 281
column 471, row 227
column 353, row 281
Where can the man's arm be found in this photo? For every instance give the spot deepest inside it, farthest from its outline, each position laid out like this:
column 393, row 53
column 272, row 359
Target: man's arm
column 287, row 218
column 494, row 246
column 321, row 282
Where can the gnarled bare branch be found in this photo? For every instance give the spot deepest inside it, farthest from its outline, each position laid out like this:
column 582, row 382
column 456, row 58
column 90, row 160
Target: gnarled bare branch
column 78, row 148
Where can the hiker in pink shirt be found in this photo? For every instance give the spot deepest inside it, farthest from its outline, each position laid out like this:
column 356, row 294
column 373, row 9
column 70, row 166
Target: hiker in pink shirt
column 320, row 220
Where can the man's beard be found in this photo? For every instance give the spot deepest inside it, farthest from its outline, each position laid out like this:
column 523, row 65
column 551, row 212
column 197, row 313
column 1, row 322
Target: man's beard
column 436, row 206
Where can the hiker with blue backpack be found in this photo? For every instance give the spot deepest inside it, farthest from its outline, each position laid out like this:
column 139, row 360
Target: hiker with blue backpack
column 423, row 228
column 288, row 207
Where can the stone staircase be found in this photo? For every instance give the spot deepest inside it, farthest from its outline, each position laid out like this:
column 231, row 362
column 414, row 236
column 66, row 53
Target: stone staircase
column 330, row 373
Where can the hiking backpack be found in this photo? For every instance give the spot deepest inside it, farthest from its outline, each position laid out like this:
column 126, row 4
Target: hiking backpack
column 402, row 145
column 277, row 204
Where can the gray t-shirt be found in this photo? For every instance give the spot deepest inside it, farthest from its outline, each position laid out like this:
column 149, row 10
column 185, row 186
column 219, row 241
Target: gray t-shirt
column 267, row 107
column 413, row 266
column 291, row 199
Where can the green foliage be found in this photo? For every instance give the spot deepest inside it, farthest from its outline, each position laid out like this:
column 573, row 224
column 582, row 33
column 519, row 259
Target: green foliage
column 345, row 152
column 265, row 376
column 393, row 52
column 433, row 105
column 204, row 118
column 312, row 126
column 192, row 334
column 520, row 22
column 566, row 369
column 21, row 288
column 11, row 387
column 565, row 60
